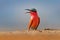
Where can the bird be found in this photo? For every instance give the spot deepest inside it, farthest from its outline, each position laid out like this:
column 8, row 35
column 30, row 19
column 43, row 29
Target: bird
column 34, row 19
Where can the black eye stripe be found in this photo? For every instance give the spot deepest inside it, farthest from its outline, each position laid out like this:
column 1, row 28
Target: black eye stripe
column 33, row 11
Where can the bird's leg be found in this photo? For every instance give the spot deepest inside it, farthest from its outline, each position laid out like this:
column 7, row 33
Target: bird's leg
column 28, row 28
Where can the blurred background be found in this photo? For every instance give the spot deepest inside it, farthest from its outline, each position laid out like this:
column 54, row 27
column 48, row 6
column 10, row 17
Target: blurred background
column 13, row 17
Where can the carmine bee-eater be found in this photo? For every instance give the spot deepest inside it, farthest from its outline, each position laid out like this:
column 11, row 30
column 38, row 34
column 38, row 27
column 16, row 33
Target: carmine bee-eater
column 34, row 20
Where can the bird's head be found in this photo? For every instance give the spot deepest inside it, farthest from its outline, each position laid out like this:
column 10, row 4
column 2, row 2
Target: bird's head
column 32, row 11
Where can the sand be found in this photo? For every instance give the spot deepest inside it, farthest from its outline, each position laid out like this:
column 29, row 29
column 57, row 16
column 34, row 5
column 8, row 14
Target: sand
column 31, row 35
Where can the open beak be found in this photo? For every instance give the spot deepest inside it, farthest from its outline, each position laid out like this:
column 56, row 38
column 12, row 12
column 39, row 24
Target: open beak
column 28, row 10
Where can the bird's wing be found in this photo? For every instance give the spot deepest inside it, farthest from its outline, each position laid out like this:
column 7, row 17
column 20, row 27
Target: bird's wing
column 38, row 21
column 30, row 23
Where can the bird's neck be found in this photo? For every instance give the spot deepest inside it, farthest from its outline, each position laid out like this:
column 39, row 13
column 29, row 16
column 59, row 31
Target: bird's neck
column 33, row 14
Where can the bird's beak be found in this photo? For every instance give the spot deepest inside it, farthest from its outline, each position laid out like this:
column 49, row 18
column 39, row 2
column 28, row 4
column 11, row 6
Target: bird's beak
column 28, row 10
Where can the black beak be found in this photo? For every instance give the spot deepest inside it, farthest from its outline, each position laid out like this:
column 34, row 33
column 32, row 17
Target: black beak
column 28, row 10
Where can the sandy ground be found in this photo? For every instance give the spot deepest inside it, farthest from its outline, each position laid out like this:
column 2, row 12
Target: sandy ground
column 31, row 35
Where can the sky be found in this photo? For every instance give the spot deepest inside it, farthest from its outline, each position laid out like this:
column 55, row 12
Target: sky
column 13, row 17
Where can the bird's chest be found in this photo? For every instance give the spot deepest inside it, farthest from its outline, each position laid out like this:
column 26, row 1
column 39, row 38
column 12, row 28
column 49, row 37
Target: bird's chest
column 35, row 21
column 34, row 18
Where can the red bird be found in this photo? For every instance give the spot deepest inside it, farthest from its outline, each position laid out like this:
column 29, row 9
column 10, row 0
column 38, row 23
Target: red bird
column 34, row 20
